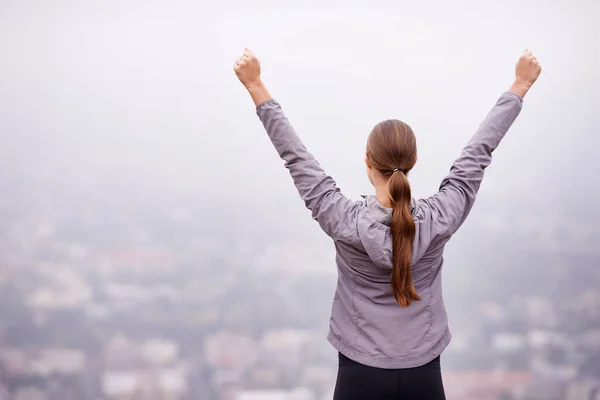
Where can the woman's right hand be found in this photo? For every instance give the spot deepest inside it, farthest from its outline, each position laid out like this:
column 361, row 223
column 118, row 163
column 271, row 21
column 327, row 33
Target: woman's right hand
column 527, row 70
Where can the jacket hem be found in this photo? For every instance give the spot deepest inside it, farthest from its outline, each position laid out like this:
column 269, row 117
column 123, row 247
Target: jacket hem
column 388, row 362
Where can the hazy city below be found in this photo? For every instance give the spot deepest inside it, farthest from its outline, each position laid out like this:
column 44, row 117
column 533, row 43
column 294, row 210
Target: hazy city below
column 153, row 246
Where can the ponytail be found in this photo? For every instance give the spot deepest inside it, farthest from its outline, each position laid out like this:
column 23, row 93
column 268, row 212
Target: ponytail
column 403, row 235
column 392, row 151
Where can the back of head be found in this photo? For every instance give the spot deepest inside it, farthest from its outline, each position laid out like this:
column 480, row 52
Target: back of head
column 392, row 151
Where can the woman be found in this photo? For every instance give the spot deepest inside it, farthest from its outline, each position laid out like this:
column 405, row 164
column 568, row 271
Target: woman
column 388, row 320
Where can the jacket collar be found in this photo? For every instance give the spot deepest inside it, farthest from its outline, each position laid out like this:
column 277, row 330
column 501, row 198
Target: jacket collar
column 381, row 214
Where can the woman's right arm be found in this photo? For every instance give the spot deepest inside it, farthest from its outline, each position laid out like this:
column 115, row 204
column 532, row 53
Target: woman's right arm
column 456, row 196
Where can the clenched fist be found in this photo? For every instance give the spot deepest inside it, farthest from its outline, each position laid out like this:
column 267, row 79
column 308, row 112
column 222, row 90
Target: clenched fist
column 528, row 68
column 247, row 69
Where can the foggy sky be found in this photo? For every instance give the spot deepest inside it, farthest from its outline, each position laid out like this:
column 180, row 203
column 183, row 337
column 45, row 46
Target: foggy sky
column 144, row 91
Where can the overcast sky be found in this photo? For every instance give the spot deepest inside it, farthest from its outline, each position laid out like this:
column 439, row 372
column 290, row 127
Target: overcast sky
column 145, row 90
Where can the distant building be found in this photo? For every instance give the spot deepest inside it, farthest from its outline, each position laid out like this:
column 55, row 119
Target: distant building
column 588, row 302
column 296, row 394
column 29, row 394
column 553, row 371
column 540, row 339
column 15, row 361
column 120, row 353
column 119, row 385
column 590, row 340
column 4, row 394
column 493, row 311
column 173, row 382
column 158, row 352
column 228, row 350
column 165, row 384
column 583, row 390
column 66, row 290
column 139, row 261
column 285, row 346
column 265, row 377
column 506, row 342
column 58, row 361
column 318, row 376
column 484, row 385
column 541, row 313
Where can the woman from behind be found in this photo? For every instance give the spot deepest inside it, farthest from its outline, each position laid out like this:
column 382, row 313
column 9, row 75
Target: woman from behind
column 388, row 320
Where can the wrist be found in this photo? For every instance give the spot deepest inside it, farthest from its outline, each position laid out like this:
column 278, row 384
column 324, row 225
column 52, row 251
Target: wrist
column 258, row 92
column 520, row 87
column 254, row 86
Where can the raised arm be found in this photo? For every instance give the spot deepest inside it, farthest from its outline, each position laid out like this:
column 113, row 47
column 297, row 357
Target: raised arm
column 329, row 207
column 452, row 204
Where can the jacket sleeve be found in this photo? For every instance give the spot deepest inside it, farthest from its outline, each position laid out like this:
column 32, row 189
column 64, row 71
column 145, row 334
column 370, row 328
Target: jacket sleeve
column 329, row 207
column 451, row 205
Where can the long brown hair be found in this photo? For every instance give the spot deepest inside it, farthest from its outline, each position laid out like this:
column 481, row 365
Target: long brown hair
column 392, row 149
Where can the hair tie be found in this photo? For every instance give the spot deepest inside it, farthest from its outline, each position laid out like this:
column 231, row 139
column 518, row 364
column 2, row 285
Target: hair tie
column 398, row 169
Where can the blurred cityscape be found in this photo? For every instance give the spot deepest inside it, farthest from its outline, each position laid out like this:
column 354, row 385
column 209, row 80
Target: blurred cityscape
column 116, row 297
column 104, row 300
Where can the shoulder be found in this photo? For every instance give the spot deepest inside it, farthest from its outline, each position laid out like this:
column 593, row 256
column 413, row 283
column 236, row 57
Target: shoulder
column 431, row 233
column 426, row 212
column 353, row 211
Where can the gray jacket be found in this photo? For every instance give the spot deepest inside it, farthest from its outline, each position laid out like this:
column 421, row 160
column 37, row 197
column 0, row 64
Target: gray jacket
column 367, row 325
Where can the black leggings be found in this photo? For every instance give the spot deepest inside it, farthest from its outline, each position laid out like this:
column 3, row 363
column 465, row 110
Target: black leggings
column 359, row 382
